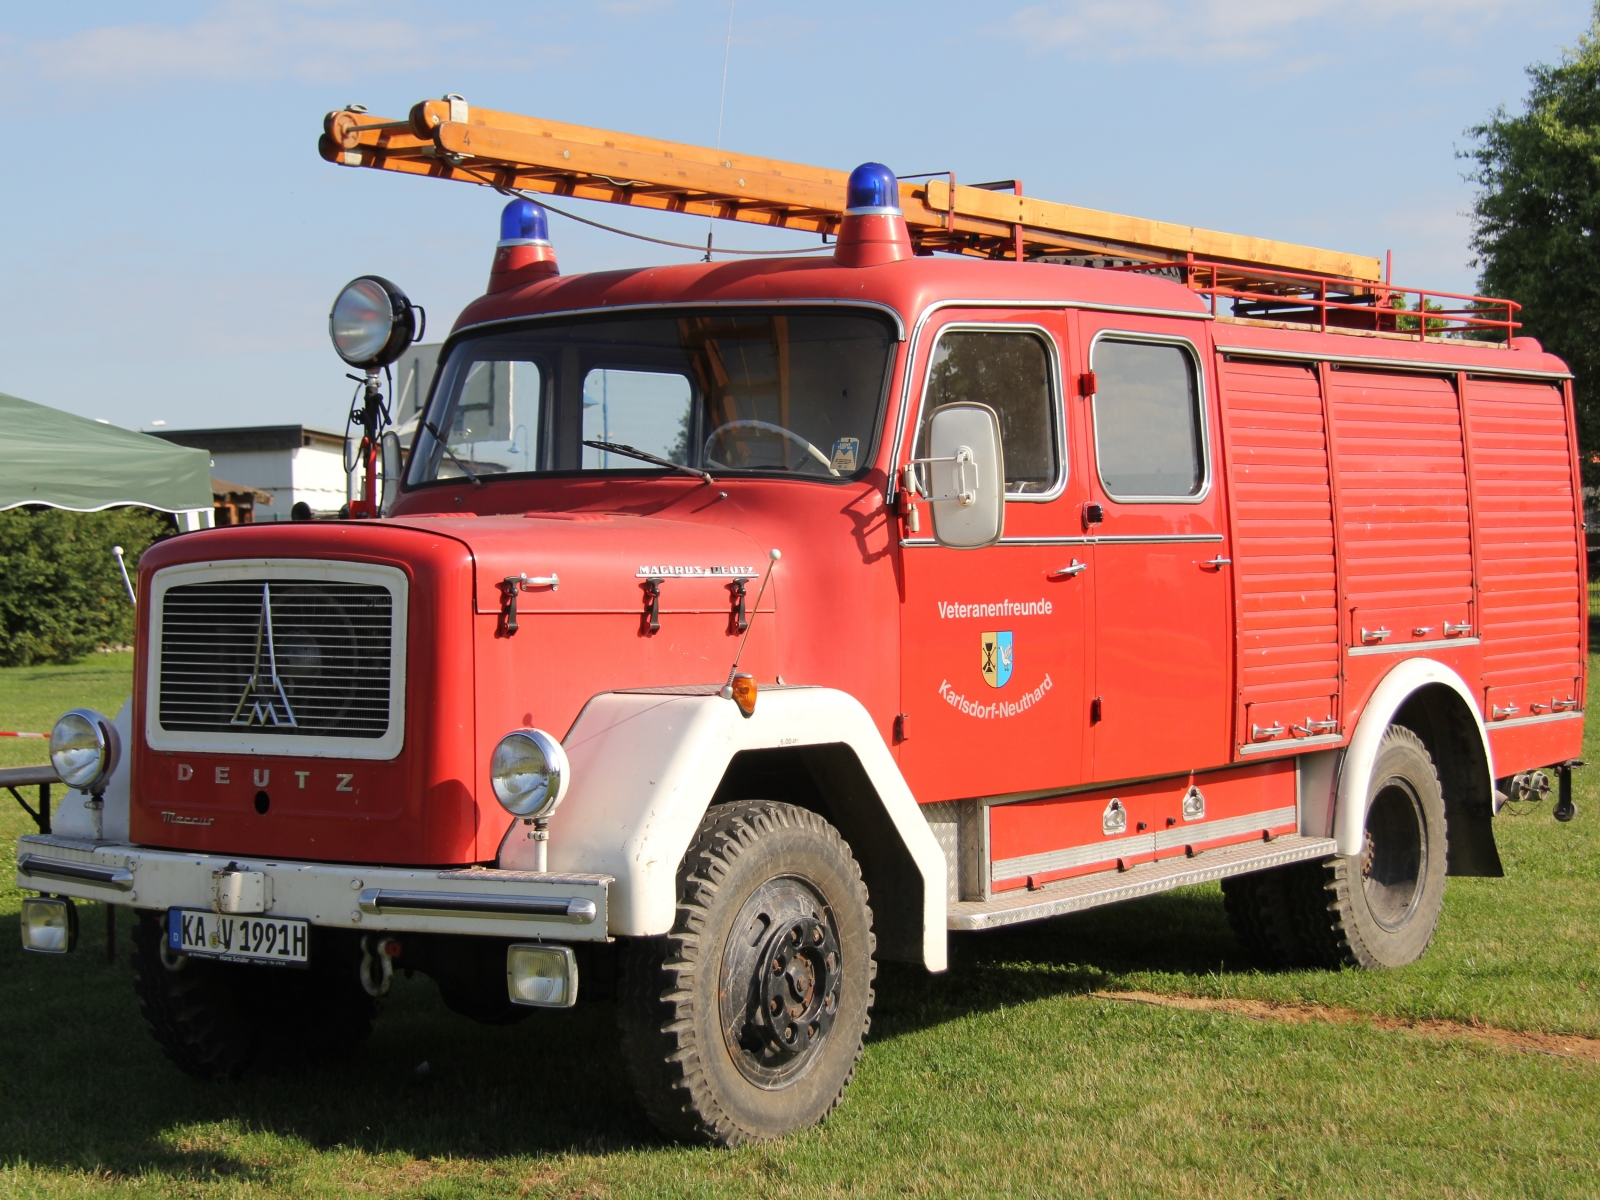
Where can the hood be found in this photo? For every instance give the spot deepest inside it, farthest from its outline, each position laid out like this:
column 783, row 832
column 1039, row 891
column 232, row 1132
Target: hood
column 599, row 560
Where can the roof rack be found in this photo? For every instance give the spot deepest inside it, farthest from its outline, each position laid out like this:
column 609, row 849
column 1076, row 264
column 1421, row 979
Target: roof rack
column 449, row 139
column 1333, row 304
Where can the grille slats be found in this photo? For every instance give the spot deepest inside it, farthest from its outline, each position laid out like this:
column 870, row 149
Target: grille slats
column 332, row 644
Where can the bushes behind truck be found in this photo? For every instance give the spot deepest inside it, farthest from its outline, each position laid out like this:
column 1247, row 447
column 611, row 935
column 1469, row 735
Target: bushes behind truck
column 61, row 594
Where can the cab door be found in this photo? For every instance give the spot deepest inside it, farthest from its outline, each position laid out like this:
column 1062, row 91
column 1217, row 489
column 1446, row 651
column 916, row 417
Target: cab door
column 992, row 639
column 1161, row 569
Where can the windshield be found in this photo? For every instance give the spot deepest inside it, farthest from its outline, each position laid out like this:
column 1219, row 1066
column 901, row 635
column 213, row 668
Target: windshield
column 791, row 392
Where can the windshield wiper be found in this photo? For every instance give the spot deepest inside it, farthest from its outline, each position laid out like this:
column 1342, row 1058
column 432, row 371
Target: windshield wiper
column 465, row 470
column 646, row 456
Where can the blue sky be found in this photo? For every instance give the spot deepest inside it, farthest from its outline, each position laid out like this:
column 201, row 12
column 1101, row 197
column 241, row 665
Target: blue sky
column 172, row 242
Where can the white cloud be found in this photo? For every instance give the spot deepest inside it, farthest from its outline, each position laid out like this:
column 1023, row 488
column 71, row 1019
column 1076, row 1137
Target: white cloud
column 1222, row 29
column 245, row 39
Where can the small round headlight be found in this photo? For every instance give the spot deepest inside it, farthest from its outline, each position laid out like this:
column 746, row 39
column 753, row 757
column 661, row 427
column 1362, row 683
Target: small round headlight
column 530, row 773
column 84, row 749
column 372, row 322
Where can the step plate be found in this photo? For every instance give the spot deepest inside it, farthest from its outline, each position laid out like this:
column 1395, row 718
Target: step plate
column 1108, row 887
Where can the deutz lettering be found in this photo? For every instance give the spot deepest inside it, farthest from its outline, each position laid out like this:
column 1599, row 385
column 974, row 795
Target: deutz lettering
column 259, row 777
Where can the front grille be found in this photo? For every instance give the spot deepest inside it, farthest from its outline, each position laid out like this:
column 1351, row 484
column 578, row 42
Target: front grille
column 279, row 656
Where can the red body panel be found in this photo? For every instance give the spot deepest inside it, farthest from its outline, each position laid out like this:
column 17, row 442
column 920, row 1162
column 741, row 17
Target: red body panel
column 1529, row 551
column 1037, row 827
column 1286, row 584
column 417, row 808
column 1342, row 497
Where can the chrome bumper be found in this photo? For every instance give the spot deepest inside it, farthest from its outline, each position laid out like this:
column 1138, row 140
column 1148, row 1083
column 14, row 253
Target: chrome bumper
column 563, row 908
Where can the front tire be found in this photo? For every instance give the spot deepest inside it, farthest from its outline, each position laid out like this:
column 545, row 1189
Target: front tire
column 214, row 1019
column 746, row 1021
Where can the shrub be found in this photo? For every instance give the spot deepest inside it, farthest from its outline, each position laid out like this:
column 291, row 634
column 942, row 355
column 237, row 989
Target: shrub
column 61, row 595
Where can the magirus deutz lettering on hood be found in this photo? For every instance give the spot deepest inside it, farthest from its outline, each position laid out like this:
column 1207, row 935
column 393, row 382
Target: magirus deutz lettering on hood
column 698, row 637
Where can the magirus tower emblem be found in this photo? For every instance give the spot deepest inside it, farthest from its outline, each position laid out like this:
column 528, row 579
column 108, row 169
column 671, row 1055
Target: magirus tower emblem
column 264, row 701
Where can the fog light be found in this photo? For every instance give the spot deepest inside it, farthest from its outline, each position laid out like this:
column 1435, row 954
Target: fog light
column 542, row 976
column 529, row 773
column 84, row 749
column 49, row 926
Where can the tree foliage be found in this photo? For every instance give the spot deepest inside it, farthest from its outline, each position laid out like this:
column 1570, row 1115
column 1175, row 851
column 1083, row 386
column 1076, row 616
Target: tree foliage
column 1538, row 211
column 61, row 594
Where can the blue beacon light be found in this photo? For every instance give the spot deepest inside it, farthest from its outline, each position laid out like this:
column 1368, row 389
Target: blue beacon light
column 524, row 223
column 873, row 190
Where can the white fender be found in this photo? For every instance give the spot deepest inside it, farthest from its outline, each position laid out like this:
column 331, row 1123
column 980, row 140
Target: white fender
column 644, row 766
column 1355, row 777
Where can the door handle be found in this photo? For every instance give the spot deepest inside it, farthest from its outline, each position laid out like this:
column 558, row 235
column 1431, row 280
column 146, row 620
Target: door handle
column 1067, row 572
column 1217, row 563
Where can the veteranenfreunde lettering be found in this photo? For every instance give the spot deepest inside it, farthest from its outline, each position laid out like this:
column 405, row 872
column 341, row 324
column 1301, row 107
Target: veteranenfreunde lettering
column 948, row 610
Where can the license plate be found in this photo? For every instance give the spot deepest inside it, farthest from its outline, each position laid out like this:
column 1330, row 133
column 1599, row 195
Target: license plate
column 238, row 939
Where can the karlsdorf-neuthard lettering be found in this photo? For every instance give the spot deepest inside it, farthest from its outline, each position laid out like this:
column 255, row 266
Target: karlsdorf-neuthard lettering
column 995, row 710
column 949, row 610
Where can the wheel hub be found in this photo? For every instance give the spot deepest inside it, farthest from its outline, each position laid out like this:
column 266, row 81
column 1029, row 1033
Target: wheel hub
column 1394, row 858
column 780, row 982
column 799, row 986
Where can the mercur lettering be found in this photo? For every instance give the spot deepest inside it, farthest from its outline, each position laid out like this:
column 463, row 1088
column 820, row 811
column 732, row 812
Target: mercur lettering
column 996, row 709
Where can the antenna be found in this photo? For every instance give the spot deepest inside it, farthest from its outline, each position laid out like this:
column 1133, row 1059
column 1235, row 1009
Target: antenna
column 132, row 599
column 773, row 556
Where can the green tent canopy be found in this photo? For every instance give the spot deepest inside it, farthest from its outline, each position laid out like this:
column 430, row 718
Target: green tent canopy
column 54, row 458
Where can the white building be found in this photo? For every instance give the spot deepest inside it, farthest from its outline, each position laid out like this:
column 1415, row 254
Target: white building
column 292, row 462
column 413, row 376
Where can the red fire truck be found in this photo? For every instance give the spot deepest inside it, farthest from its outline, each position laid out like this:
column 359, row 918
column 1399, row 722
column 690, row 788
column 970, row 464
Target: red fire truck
column 729, row 627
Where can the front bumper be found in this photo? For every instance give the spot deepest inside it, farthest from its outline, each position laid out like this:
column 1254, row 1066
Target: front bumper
column 519, row 904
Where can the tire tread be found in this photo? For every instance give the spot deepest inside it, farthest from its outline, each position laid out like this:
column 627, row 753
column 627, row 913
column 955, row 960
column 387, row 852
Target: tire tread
column 656, row 996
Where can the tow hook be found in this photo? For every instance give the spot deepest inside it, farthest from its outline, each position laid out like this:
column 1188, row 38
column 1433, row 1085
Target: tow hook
column 378, row 952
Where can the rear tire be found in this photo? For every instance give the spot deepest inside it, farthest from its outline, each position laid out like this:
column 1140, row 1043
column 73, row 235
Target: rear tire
column 746, row 1021
column 214, row 1020
column 1380, row 908
column 1261, row 909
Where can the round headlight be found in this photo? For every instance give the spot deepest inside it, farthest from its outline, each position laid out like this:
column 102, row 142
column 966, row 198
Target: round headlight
column 372, row 322
column 529, row 772
column 84, row 748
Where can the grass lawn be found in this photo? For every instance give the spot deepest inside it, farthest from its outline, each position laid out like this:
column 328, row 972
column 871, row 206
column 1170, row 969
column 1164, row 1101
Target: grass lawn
column 1005, row 1076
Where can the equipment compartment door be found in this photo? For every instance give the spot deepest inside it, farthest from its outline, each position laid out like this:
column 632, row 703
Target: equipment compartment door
column 1159, row 702
column 992, row 639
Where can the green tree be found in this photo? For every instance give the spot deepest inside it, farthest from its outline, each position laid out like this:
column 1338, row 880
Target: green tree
column 1536, row 219
column 61, row 594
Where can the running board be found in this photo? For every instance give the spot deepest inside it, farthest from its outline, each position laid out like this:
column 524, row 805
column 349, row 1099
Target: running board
column 1108, row 887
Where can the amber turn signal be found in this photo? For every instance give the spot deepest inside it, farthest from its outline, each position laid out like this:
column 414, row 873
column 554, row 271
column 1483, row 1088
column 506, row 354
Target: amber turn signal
column 742, row 691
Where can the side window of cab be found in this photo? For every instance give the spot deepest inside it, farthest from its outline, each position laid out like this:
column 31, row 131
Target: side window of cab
column 1148, row 423
column 1013, row 371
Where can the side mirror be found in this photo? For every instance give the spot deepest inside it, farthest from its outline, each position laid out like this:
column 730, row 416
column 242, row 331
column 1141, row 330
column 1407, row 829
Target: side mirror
column 393, row 456
column 966, row 476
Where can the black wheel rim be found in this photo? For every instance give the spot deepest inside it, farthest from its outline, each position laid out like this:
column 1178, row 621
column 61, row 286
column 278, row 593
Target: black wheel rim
column 779, row 989
column 1396, row 859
